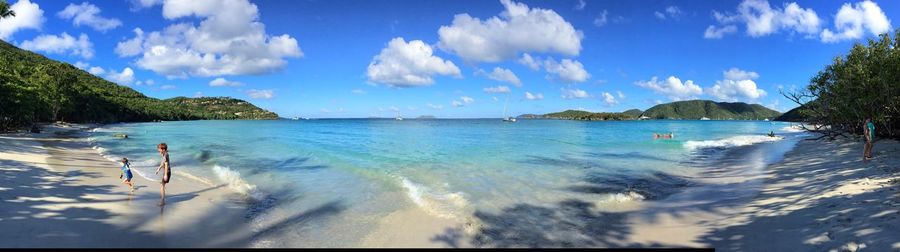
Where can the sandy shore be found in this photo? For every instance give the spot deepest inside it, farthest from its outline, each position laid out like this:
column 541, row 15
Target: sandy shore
column 58, row 192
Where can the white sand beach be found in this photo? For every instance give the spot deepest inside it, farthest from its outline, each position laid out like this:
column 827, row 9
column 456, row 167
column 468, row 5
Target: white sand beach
column 58, row 192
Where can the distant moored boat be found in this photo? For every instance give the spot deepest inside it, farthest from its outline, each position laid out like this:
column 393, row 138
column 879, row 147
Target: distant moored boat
column 704, row 118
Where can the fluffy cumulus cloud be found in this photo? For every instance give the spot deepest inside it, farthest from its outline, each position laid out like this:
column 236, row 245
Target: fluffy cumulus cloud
column 574, row 94
column 738, row 85
column 534, row 97
column 502, row 75
column 261, row 94
column 497, row 89
column 516, row 30
column 609, row 99
column 853, row 20
column 28, row 16
column 570, row 71
column 222, row 82
column 412, row 64
column 530, row 62
column 96, row 70
column 230, row 40
column 88, row 14
column 672, row 87
column 762, row 19
column 125, row 77
column 61, row 44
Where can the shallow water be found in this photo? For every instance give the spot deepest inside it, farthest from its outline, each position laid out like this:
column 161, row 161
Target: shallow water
column 340, row 176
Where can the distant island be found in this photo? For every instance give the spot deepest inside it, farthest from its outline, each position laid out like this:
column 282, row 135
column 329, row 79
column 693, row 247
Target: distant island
column 37, row 89
column 680, row 110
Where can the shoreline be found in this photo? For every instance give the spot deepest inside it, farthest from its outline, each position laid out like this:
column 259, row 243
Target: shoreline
column 67, row 195
column 818, row 196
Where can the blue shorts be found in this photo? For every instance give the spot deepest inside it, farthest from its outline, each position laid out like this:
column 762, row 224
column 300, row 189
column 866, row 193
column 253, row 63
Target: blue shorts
column 128, row 175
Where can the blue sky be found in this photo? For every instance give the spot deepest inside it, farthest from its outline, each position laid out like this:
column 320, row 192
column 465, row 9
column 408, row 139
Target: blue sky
column 451, row 58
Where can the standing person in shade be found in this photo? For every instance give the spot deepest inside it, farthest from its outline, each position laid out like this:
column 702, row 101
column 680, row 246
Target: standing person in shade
column 869, row 134
column 167, row 171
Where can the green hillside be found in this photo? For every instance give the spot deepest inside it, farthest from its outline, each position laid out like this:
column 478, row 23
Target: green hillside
column 696, row 109
column 633, row 112
column 582, row 115
column 34, row 88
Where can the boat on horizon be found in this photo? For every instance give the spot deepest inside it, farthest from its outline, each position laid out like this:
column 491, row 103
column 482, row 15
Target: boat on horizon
column 507, row 118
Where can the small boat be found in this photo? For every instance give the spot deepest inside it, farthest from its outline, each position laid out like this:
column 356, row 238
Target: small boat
column 704, row 118
column 767, row 119
column 399, row 118
column 507, row 118
column 295, row 118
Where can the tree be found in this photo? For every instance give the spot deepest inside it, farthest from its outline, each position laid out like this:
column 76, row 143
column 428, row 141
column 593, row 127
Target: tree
column 5, row 11
column 863, row 84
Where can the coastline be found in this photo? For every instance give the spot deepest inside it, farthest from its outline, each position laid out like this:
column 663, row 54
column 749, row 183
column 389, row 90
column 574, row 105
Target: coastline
column 59, row 192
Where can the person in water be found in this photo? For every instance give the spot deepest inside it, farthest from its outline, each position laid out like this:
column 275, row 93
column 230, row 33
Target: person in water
column 869, row 134
column 663, row 136
column 166, row 167
column 126, row 172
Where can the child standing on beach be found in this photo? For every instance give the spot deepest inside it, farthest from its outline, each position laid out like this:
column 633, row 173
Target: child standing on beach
column 126, row 172
column 167, row 171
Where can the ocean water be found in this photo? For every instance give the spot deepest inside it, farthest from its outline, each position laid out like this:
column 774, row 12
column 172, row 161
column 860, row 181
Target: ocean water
column 351, row 173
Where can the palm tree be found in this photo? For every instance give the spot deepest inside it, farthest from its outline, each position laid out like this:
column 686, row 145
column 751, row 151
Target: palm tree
column 5, row 12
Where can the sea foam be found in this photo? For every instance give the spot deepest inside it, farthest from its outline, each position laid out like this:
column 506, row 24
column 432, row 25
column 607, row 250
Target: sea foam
column 236, row 183
column 734, row 141
column 445, row 205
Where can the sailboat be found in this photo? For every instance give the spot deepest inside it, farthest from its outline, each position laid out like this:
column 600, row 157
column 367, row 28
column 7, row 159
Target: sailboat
column 399, row 118
column 507, row 118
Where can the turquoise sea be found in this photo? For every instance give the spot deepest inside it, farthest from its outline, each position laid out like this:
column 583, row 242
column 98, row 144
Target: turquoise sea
column 449, row 168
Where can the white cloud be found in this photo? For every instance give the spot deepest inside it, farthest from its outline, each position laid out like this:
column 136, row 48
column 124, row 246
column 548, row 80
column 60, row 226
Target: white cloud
column 567, row 70
column 672, row 87
column 435, row 107
column 28, row 16
column 463, row 101
column 412, row 64
column 167, row 87
column 852, row 22
column 358, row 91
column 621, row 95
column 516, row 30
column 580, row 5
column 574, row 94
column 738, row 85
column 609, row 99
column 601, row 20
column 62, row 44
column 140, row 4
column 132, row 46
column 497, row 89
column 96, row 70
column 222, row 82
column 88, row 14
column 713, row 32
column 126, row 77
column 670, row 12
column 82, row 65
column 230, row 40
column 502, row 75
column 761, row 20
column 533, row 97
column 530, row 62
column 261, row 94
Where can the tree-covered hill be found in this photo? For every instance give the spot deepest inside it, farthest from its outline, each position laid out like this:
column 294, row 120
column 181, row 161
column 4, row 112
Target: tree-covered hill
column 34, row 89
column 581, row 115
column 696, row 109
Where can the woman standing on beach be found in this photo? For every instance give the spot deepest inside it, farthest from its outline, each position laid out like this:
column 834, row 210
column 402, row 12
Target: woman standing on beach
column 167, row 172
column 869, row 134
